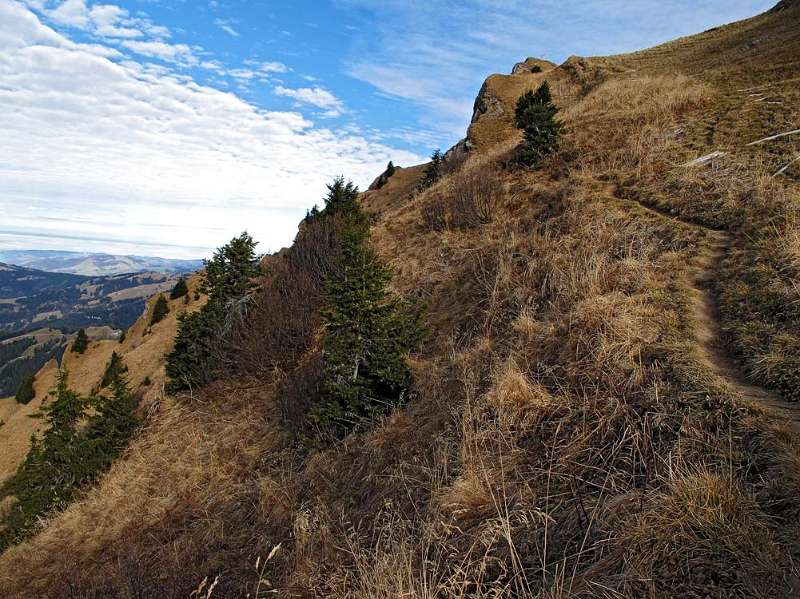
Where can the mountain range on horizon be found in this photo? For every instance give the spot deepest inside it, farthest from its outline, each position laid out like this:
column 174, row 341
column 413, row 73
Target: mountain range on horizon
column 95, row 264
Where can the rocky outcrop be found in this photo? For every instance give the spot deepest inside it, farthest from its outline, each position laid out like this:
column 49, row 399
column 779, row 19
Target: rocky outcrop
column 486, row 103
column 532, row 65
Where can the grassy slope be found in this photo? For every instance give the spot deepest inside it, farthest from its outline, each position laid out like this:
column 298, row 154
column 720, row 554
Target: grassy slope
column 569, row 436
column 143, row 354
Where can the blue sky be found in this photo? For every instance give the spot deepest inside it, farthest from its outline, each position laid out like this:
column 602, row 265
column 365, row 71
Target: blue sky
column 165, row 127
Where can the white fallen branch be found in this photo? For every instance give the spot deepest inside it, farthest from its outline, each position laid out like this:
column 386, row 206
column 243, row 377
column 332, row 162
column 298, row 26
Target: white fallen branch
column 703, row 160
column 783, row 170
column 770, row 138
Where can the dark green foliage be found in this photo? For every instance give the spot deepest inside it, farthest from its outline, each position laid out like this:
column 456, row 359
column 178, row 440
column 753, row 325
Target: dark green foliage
column 180, row 289
column 434, row 170
column 160, row 310
column 341, row 197
column 229, row 277
column 26, row 392
column 535, row 114
column 385, row 176
column 536, row 69
column 67, row 456
column 121, row 337
column 369, row 333
column 14, row 349
column 81, row 342
column 311, row 214
column 114, row 369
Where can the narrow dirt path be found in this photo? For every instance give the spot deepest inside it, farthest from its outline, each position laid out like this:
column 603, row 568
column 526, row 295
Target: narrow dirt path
column 709, row 330
column 709, row 335
column 711, row 339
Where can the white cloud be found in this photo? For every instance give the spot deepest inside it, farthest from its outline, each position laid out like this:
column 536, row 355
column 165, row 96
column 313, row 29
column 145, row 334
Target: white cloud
column 180, row 53
column 71, row 12
column 315, row 96
column 273, row 67
column 226, row 26
column 123, row 156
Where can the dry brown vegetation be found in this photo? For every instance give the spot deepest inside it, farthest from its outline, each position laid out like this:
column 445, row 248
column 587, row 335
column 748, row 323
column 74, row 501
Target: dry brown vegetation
column 569, row 435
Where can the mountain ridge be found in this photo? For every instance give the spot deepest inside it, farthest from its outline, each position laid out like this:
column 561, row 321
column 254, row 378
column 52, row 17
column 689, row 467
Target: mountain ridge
column 594, row 412
column 94, row 264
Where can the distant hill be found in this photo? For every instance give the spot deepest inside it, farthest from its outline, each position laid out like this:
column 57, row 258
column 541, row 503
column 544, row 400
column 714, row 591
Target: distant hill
column 33, row 299
column 39, row 309
column 83, row 263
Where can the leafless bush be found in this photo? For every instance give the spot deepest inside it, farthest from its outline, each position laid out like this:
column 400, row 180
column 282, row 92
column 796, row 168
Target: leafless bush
column 473, row 196
column 467, row 200
column 434, row 214
column 281, row 318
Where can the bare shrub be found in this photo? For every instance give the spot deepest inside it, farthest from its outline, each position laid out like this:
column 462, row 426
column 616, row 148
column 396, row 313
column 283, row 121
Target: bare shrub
column 472, row 197
column 279, row 323
column 464, row 200
column 434, row 214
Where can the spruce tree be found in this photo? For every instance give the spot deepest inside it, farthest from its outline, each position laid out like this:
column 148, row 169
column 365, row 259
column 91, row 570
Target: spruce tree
column 67, row 456
column 26, row 392
column 535, row 114
column 160, row 309
column 390, row 169
column 114, row 369
column 433, row 172
column 368, row 334
column 110, row 427
column 47, row 478
column 229, row 277
column 81, row 342
column 341, row 197
column 179, row 290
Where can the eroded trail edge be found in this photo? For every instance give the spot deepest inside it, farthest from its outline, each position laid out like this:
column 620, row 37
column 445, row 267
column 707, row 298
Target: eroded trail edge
column 712, row 340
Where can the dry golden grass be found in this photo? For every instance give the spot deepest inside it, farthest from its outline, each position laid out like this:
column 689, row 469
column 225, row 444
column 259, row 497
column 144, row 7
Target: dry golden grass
column 15, row 434
column 568, row 436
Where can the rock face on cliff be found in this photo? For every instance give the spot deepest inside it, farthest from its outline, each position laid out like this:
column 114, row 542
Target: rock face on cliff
column 532, row 65
column 786, row 5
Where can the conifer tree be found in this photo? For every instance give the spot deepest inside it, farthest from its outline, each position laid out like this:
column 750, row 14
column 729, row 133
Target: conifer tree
column 114, row 369
column 179, row 290
column 48, row 476
column 535, row 114
column 386, row 175
column 341, row 197
column 229, row 277
column 111, row 426
column 67, row 456
column 433, row 172
column 26, row 392
column 81, row 342
column 368, row 336
column 160, row 309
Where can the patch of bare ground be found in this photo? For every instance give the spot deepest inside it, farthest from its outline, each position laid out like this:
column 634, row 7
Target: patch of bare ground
column 711, row 338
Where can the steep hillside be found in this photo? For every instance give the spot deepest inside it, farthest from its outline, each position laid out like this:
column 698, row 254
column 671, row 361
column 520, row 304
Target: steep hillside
column 39, row 310
column 606, row 402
